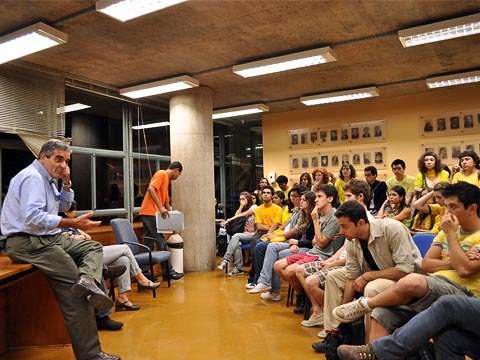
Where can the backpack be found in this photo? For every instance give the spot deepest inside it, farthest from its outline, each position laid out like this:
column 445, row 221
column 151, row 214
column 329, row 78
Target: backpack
column 237, row 225
column 349, row 334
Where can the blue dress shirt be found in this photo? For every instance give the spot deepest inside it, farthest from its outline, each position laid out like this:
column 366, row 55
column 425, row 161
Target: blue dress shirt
column 33, row 202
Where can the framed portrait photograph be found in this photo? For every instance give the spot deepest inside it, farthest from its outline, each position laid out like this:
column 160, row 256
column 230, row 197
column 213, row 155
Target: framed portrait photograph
column 456, row 151
column 314, row 161
column 344, row 134
column 356, row 158
column 378, row 157
column 294, row 139
column 334, row 135
column 470, row 147
column 442, row 153
column 334, row 160
column 355, row 133
column 454, row 122
column 441, row 124
column 313, row 137
column 345, row 158
column 305, row 162
column 324, row 161
column 428, row 126
column 468, row 121
column 295, row 163
column 303, row 138
column 367, row 158
column 323, row 136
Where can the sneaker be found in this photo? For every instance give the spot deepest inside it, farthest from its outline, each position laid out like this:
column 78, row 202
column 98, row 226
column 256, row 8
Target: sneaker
column 259, row 288
column 236, row 272
column 269, row 296
column 250, row 285
column 352, row 352
column 322, row 334
column 350, row 311
column 313, row 321
column 223, row 264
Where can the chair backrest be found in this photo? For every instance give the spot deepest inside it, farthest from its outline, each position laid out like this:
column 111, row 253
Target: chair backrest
column 123, row 231
column 423, row 242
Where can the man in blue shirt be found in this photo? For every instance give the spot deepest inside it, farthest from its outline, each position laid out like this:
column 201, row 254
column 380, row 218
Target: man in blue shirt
column 32, row 225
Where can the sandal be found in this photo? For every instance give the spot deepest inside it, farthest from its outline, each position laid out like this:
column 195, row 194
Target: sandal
column 124, row 306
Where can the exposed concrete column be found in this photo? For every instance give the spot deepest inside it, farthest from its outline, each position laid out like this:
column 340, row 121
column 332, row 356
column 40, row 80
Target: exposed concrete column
column 191, row 143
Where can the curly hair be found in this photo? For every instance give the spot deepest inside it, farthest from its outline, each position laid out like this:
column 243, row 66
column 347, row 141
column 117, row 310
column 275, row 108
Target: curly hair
column 324, row 172
column 421, row 162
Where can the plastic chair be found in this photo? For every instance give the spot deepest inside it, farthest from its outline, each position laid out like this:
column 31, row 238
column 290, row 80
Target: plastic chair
column 124, row 234
column 423, row 242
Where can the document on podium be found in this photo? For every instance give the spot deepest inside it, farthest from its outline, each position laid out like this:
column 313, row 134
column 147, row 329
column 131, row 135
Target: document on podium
column 173, row 223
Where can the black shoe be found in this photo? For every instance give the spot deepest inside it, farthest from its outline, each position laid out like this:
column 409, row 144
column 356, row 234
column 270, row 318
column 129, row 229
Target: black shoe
column 113, row 271
column 320, row 346
column 173, row 276
column 92, row 293
column 108, row 324
column 101, row 355
column 300, row 305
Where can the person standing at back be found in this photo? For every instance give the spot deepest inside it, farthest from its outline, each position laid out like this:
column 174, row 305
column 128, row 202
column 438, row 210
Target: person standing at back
column 157, row 199
column 401, row 179
column 379, row 189
column 73, row 268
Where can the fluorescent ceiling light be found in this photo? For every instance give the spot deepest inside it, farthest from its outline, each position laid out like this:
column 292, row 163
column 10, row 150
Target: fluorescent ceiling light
column 339, row 96
column 149, row 126
column 239, row 110
column 73, row 107
column 29, row 40
column 124, row 10
column 160, row 87
column 454, row 79
column 443, row 30
column 286, row 62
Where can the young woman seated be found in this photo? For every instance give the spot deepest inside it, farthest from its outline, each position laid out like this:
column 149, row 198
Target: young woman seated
column 116, row 255
column 395, row 207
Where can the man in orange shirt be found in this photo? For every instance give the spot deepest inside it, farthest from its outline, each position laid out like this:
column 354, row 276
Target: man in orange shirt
column 157, row 199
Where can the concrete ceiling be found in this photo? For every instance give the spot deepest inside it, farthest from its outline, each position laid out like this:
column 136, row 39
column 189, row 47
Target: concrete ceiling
column 205, row 38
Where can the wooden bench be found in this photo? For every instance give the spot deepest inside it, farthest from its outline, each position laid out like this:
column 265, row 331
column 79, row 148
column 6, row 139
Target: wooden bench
column 30, row 315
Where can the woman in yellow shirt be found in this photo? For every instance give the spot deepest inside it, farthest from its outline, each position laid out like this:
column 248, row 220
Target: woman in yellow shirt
column 430, row 173
column 469, row 164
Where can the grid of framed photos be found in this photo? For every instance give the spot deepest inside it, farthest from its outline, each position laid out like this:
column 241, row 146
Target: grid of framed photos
column 461, row 122
column 449, row 152
column 361, row 132
column 332, row 160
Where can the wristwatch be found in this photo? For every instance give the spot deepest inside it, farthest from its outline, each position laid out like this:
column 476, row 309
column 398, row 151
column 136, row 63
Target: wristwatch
column 69, row 185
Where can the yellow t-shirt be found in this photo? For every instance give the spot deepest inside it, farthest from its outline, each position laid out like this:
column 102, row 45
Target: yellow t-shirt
column 471, row 179
column 339, row 184
column 467, row 242
column 424, row 182
column 268, row 215
column 286, row 214
column 408, row 183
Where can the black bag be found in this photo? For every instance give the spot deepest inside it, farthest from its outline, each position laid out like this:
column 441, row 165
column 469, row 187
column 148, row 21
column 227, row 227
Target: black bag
column 349, row 334
column 237, row 225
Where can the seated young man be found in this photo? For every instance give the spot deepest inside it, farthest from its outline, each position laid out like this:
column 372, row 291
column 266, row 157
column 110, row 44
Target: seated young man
column 315, row 273
column 448, row 321
column 326, row 241
column 451, row 260
column 379, row 253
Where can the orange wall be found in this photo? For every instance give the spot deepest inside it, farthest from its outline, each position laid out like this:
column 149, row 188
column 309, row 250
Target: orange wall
column 402, row 122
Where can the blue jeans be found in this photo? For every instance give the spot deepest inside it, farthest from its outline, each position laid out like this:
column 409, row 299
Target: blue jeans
column 451, row 321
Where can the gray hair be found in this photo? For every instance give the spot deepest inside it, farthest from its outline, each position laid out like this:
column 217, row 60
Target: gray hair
column 51, row 145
